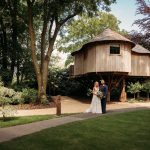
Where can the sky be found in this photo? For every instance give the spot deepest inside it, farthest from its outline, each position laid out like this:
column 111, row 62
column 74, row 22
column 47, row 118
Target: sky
column 125, row 11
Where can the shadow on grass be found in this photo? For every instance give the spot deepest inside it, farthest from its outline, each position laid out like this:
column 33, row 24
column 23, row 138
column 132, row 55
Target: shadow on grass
column 7, row 119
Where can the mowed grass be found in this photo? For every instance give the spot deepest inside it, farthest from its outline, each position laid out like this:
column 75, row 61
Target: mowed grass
column 124, row 131
column 23, row 120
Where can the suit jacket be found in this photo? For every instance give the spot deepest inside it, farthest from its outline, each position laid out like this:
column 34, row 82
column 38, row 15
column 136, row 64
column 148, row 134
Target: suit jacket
column 104, row 89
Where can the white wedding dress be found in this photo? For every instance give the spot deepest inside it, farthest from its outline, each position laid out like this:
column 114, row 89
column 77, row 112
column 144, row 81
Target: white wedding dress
column 95, row 106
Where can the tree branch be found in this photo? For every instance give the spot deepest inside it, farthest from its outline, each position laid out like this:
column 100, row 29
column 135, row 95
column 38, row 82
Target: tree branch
column 61, row 22
column 50, row 28
column 43, row 34
column 32, row 38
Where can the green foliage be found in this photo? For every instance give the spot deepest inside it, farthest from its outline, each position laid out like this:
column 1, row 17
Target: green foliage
column 29, row 95
column 6, row 96
column 10, row 96
column 60, row 83
column 14, row 44
column 134, row 88
column 84, row 28
column 6, row 92
column 17, row 98
column 7, row 111
column 115, row 94
column 80, row 30
column 146, row 88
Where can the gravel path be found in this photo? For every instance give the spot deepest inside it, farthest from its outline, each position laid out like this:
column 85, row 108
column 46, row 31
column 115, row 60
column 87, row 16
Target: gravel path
column 70, row 105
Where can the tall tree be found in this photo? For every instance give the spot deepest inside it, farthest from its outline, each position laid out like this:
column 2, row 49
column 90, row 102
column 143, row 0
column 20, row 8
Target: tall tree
column 82, row 29
column 141, row 38
column 143, row 9
column 55, row 13
column 13, row 35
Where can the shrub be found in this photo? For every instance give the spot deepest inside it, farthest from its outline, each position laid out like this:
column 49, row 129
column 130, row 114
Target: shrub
column 5, row 99
column 7, row 111
column 29, row 95
column 134, row 88
column 146, row 88
column 6, row 92
column 17, row 98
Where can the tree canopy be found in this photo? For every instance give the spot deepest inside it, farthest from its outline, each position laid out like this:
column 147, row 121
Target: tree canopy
column 53, row 15
column 83, row 28
column 143, row 9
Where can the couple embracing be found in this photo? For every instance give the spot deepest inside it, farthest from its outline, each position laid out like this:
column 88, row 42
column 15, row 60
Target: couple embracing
column 98, row 104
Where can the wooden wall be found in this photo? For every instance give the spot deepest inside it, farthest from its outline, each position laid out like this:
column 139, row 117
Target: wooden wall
column 140, row 65
column 89, row 60
column 78, row 65
column 106, row 62
column 98, row 59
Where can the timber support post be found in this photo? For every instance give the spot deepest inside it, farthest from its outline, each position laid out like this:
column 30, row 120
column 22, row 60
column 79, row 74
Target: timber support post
column 108, row 96
column 123, row 95
column 58, row 105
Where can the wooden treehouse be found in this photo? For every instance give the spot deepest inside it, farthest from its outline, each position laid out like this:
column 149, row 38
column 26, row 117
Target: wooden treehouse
column 112, row 57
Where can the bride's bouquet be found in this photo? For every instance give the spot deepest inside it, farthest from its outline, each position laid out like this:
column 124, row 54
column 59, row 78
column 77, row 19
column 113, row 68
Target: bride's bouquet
column 99, row 94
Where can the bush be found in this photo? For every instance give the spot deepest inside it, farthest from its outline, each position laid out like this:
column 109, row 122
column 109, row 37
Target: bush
column 18, row 87
column 6, row 96
column 146, row 88
column 17, row 98
column 6, row 92
column 134, row 88
column 29, row 95
column 12, row 96
column 7, row 111
column 59, row 83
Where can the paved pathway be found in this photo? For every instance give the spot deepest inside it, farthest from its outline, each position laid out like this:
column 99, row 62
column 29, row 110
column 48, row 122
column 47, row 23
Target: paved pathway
column 68, row 106
column 10, row 133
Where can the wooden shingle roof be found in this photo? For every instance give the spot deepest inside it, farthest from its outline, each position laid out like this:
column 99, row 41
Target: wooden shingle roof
column 140, row 49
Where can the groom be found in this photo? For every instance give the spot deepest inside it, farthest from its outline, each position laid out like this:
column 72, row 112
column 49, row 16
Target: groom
column 103, row 88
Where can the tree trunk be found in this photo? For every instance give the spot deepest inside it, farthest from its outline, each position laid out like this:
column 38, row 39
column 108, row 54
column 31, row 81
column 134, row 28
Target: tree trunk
column 42, row 82
column 147, row 96
column 134, row 96
column 123, row 95
column 138, row 95
column 4, row 53
column 13, row 10
column 41, row 69
column 3, row 40
column 41, row 91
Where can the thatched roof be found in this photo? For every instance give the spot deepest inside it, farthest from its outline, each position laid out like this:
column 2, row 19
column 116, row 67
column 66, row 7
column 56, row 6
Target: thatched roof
column 107, row 36
column 139, row 49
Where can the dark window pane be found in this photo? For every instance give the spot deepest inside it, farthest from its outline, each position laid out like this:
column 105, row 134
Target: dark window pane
column 114, row 49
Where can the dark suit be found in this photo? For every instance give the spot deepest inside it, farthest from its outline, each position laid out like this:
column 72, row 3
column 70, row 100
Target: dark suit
column 104, row 89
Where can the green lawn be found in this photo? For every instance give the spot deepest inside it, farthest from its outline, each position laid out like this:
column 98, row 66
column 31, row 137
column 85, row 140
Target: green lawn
column 124, row 131
column 24, row 120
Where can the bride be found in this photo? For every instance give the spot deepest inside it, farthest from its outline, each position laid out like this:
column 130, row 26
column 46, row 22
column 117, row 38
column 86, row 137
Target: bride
column 95, row 106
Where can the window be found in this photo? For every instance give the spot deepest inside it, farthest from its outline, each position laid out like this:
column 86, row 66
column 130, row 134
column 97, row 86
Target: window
column 115, row 49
